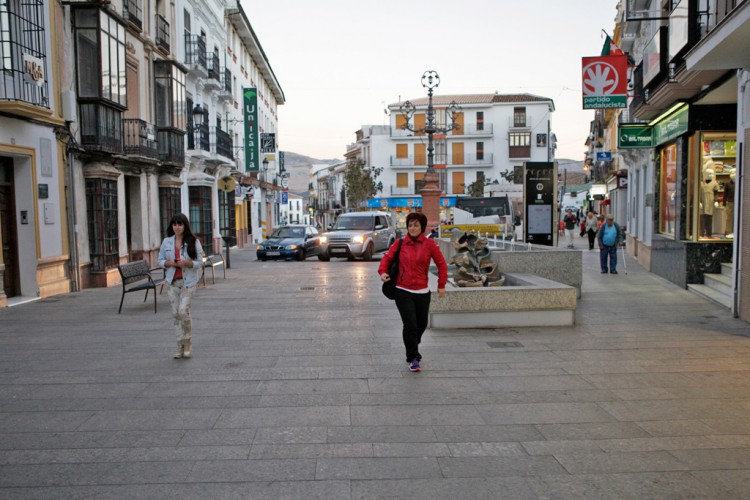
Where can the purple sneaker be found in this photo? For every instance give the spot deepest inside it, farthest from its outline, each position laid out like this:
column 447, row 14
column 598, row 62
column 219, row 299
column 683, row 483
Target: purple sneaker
column 414, row 365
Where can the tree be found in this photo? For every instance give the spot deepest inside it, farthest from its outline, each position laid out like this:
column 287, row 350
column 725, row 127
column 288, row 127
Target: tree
column 476, row 188
column 359, row 182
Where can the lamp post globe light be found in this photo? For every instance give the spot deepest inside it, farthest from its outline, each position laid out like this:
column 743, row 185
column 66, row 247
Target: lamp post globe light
column 431, row 191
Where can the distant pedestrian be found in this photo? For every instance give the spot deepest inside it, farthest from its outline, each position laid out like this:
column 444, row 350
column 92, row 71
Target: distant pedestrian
column 412, row 292
column 570, row 221
column 181, row 254
column 591, row 227
column 609, row 237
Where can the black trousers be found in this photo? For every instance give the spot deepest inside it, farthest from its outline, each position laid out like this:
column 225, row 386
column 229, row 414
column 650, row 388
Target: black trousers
column 592, row 238
column 414, row 309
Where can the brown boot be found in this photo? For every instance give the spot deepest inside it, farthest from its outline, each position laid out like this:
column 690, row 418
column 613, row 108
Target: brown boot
column 180, row 350
column 187, row 351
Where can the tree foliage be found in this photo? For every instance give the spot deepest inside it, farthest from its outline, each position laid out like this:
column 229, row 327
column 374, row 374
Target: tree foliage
column 360, row 182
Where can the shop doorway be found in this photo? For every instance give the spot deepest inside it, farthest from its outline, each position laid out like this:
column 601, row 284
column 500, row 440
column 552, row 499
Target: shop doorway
column 11, row 280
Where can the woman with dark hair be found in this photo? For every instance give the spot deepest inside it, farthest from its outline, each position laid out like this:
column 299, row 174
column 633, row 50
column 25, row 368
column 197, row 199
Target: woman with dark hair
column 412, row 292
column 181, row 254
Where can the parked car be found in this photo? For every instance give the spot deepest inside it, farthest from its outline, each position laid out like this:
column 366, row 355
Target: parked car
column 291, row 242
column 359, row 235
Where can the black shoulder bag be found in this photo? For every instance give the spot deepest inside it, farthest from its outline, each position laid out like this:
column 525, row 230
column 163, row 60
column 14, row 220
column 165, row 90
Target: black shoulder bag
column 389, row 287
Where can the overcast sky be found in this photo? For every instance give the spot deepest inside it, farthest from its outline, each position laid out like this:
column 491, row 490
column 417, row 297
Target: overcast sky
column 340, row 61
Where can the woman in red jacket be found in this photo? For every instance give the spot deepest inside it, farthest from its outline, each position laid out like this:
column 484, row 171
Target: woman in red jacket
column 412, row 292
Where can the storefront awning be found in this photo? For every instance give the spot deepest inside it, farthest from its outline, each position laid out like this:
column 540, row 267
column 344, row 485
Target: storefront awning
column 407, row 201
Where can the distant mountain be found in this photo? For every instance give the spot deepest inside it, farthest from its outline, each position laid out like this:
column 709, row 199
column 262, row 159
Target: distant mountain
column 569, row 165
column 298, row 167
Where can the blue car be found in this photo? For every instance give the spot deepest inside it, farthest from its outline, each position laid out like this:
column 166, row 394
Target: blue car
column 291, row 242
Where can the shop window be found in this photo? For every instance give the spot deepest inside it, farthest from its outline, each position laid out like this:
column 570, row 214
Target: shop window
column 101, row 210
column 170, row 201
column 667, row 190
column 716, row 188
column 200, row 216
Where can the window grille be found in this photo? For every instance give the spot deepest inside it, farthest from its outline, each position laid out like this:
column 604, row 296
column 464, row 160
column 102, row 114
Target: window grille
column 101, row 209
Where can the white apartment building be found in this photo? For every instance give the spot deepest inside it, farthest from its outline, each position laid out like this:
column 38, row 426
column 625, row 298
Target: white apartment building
column 496, row 133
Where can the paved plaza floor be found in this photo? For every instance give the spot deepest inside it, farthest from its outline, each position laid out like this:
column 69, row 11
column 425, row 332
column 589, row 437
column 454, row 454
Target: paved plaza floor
column 298, row 389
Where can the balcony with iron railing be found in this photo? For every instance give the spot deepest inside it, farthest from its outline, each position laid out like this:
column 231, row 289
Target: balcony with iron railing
column 199, row 138
column 101, row 128
column 162, row 33
column 473, row 159
column 221, row 143
column 714, row 13
column 171, row 146
column 133, row 12
column 195, row 55
column 485, row 129
column 213, row 81
column 225, row 90
column 139, row 138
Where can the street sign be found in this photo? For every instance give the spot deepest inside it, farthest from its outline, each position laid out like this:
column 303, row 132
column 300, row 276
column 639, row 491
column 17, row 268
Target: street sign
column 635, row 137
column 604, row 156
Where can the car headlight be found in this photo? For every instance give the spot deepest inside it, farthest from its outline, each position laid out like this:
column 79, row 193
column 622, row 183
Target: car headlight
column 291, row 247
column 259, row 247
column 323, row 239
column 358, row 239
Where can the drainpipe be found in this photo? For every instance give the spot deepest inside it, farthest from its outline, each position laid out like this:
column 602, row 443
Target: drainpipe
column 75, row 269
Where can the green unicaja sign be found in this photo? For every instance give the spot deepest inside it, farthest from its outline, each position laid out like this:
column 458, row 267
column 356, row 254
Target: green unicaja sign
column 250, row 103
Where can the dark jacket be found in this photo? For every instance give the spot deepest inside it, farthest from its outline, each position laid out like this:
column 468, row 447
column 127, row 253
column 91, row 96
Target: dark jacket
column 414, row 263
column 570, row 221
column 600, row 234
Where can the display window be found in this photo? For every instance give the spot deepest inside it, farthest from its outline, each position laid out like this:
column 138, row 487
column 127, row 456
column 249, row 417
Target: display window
column 667, row 190
column 714, row 186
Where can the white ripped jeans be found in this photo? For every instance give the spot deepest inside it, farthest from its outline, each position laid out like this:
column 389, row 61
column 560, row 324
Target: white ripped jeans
column 180, row 298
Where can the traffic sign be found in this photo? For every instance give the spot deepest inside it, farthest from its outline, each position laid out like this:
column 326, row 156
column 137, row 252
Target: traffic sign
column 604, row 156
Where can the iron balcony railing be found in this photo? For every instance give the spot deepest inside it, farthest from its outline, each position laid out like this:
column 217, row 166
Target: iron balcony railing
column 162, row 33
column 227, row 80
column 101, row 128
column 485, row 129
column 134, row 13
column 195, row 51
column 221, row 142
column 442, row 159
column 139, row 138
column 171, row 145
column 214, row 67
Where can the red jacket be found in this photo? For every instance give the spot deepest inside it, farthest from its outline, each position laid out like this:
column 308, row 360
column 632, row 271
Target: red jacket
column 414, row 263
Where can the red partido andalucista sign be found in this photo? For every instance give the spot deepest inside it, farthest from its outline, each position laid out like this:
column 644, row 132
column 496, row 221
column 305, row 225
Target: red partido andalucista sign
column 605, row 82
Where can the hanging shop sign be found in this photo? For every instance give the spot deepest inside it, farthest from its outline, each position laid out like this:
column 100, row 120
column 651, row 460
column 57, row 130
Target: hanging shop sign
column 267, row 142
column 409, row 202
column 673, row 125
column 605, row 82
column 250, row 96
column 226, row 184
column 635, row 137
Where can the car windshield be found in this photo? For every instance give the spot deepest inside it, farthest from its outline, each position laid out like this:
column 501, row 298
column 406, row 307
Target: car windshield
column 289, row 232
column 357, row 223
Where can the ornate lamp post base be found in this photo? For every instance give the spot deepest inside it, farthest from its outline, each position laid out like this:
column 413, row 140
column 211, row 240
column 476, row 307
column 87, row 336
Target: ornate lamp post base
column 431, row 199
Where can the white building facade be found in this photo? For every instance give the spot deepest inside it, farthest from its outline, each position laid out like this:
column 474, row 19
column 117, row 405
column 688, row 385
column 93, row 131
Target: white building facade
column 496, row 134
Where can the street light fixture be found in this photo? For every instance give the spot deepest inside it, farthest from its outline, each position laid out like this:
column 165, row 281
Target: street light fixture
column 431, row 191
column 198, row 115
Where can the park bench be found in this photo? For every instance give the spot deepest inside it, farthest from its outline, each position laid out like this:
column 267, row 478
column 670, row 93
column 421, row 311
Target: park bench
column 212, row 261
column 137, row 276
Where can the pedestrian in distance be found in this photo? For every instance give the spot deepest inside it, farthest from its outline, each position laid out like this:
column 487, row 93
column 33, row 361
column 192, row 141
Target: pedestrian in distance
column 591, row 227
column 570, row 221
column 609, row 237
column 412, row 291
column 181, row 254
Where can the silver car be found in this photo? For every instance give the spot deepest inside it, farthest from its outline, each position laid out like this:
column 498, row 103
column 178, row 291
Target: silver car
column 359, row 235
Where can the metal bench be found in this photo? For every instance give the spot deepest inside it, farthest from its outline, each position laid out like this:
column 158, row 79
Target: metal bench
column 212, row 261
column 137, row 276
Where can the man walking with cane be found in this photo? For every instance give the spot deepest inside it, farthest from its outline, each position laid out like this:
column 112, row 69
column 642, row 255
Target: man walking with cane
column 609, row 237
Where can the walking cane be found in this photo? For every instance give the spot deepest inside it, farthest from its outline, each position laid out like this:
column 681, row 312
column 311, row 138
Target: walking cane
column 624, row 263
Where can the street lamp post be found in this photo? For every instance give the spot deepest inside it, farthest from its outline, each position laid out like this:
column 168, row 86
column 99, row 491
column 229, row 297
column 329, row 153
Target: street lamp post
column 431, row 191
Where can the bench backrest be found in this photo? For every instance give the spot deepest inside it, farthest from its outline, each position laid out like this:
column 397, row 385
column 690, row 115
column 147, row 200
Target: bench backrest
column 133, row 271
column 215, row 259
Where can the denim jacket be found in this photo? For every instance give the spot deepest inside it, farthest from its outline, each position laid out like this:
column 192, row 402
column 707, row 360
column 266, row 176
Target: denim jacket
column 189, row 274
